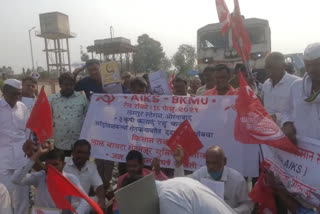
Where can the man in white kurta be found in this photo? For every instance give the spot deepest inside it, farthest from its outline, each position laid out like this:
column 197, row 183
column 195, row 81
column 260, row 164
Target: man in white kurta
column 13, row 134
column 302, row 116
column 276, row 88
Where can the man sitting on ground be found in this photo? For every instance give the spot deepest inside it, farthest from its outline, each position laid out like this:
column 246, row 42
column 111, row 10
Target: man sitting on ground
column 235, row 186
column 39, row 179
column 86, row 171
column 135, row 168
column 222, row 76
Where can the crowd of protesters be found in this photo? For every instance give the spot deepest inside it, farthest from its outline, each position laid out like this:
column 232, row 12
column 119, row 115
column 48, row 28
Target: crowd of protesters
column 292, row 102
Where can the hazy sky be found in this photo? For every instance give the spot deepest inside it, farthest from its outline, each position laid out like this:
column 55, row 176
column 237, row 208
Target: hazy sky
column 294, row 23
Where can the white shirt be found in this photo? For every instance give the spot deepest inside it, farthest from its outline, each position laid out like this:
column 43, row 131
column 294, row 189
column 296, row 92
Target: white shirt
column 235, row 187
column 88, row 176
column 29, row 102
column 13, row 134
column 39, row 180
column 305, row 116
column 276, row 97
column 188, row 196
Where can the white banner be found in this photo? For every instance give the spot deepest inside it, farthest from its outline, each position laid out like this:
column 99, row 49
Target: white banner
column 299, row 174
column 116, row 124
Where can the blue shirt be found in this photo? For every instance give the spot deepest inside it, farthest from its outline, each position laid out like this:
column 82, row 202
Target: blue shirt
column 88, row 85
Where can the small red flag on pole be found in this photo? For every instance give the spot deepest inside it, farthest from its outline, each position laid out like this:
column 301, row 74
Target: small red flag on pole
column 187, row 138
column 40, row 120
column 60, row 187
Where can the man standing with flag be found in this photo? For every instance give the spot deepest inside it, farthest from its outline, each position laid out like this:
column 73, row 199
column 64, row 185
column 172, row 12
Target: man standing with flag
column 13, row 134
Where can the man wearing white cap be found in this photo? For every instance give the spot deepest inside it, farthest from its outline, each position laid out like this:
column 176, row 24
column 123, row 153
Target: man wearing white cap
column 13, row 134
column 302, row 116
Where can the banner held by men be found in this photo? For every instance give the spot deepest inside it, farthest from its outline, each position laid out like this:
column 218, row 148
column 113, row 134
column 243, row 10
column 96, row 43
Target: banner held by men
column 118, row 123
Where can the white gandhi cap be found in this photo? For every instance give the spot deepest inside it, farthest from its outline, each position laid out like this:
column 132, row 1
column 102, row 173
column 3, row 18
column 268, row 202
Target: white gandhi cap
column 312, row 52
column 14, row 83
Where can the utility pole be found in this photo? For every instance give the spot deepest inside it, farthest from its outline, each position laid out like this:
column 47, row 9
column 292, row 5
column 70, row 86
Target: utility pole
column 31, row 48
column 111, row 36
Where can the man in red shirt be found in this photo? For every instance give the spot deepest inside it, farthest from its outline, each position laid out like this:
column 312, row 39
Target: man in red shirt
column 222, row 75
column 135, row 168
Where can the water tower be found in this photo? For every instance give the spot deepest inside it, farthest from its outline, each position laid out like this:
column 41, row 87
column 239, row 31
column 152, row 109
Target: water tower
column 55, row 30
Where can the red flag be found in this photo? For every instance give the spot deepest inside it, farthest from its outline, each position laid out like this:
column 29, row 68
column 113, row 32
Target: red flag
column 187, row 138
column 60, row 187
column 224, row 15
column 171, row 82
column 263, row 194
column 40, row 120
column 254, row 125
column 240, row 38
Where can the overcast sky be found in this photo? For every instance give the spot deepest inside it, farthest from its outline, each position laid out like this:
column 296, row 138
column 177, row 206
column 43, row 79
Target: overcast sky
column 293, row 23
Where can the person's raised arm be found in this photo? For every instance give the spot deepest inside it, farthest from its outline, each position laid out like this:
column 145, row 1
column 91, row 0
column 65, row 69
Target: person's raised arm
column 29, row 149
column 178, row 156
column 21, row 176
column 77, row 71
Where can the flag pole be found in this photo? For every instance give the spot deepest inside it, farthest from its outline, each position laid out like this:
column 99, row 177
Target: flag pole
column 248, row 67
column 261, row 151
column 245, row 61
